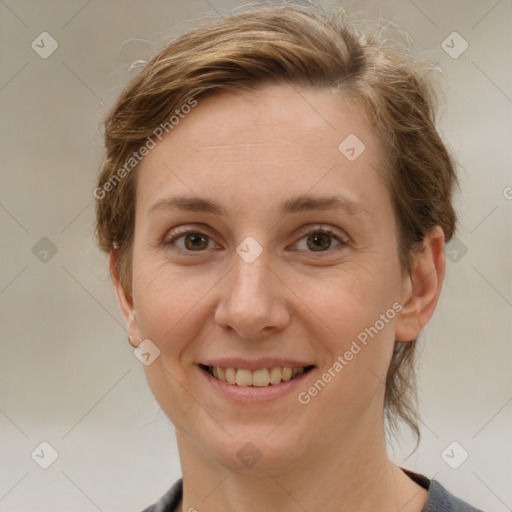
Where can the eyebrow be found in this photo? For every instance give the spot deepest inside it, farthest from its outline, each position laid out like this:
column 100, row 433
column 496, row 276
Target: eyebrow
column 296, row 204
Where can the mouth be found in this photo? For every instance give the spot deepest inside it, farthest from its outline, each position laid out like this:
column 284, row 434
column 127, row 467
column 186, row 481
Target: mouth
column 260, row 378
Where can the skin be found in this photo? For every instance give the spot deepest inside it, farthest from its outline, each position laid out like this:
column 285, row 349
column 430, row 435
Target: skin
column 250, row 152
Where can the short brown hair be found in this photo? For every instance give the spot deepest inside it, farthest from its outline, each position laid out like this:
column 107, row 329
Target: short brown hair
column 304, row 47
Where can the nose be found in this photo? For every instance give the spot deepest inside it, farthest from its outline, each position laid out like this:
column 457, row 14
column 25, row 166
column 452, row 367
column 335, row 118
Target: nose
column 253, row 302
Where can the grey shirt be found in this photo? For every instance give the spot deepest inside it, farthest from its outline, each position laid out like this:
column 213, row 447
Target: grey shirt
column 438, row 498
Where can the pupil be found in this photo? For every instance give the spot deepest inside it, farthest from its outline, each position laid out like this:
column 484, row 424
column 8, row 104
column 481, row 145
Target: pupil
column 195, row 241
column 319, row 241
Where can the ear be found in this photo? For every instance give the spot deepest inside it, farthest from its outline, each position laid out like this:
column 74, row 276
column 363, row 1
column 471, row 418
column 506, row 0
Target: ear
column 422, row 287
column 124, row 299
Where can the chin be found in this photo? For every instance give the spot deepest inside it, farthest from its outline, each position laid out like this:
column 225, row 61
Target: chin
column 256, row 449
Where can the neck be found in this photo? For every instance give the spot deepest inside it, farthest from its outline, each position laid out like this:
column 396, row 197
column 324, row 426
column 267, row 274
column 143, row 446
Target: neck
column 354, row 475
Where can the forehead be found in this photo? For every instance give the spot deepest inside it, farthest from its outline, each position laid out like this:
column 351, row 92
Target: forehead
column 278, row 140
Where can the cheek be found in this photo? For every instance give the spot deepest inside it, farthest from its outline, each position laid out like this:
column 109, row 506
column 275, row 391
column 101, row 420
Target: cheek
column 356, row 310
column 351, row 298
column 358, row 343
column 170, row 305
column 171, row 312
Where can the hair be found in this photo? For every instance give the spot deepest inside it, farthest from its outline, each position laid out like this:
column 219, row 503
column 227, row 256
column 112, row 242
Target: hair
column 304, row 47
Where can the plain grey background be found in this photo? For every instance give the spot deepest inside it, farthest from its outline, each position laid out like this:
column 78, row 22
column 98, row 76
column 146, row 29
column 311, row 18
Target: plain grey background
column 68, row 376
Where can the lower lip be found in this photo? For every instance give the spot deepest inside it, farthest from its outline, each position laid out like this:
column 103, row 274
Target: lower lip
column 252, row 394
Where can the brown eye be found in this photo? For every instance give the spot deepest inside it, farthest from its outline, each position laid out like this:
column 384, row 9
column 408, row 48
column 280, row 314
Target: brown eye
column 319, row 241
column 195, row 241
column 187, row 241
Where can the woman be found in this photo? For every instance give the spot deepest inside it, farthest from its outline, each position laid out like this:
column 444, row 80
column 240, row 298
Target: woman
column 275, row 201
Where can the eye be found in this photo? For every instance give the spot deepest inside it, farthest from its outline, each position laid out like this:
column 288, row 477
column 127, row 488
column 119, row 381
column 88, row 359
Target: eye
column 320, row 240
column 190, row 241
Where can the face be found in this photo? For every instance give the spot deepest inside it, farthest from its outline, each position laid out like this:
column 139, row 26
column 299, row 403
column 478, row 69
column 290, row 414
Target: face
column 259, row 245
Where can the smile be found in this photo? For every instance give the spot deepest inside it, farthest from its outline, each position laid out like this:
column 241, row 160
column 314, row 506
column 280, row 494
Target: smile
column 263, row 377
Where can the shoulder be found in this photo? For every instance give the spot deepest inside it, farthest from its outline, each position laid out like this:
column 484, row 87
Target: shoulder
column 169, row 501
column 439, row 499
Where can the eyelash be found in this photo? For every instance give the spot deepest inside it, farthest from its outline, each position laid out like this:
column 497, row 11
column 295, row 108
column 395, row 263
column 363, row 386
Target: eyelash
column 343, row 242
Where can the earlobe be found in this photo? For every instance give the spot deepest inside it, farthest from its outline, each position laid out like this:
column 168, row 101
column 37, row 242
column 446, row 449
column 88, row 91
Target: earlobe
column 422, row 287
column 124, row 300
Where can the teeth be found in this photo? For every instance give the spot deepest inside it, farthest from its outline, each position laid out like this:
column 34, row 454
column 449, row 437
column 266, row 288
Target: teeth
column 275, row 375
column 231, row 375
column 258, row 378
column 244, row 378
column 287, row 374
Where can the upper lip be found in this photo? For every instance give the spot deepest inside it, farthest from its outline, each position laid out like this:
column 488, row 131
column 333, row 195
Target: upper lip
column 255, row 364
